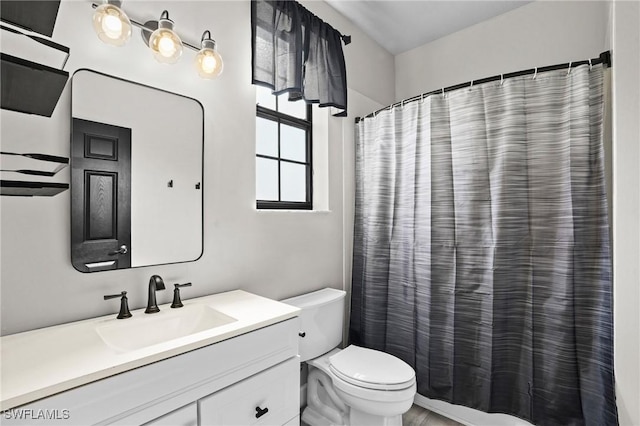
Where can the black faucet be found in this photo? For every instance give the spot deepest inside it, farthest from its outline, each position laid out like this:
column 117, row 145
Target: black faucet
column 177, row 303
column 155, row 284
column 124, row 306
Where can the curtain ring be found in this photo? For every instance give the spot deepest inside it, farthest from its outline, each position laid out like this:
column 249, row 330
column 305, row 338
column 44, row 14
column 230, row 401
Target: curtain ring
column 535, row 74
column 569, row 70
column 471, row 85
column 590, row 65
column 422, row 98
column 443, row 94
column 501, row 79
column 402, row 104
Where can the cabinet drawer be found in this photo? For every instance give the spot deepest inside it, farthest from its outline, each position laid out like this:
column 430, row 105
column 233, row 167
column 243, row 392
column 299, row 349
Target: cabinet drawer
column 185, row 416
column 267, row 398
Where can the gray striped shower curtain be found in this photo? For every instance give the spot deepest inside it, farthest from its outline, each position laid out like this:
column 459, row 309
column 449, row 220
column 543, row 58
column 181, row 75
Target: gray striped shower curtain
column 481, row 246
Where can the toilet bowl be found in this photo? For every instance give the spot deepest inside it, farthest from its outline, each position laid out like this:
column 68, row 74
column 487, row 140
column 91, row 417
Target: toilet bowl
column 352, row 386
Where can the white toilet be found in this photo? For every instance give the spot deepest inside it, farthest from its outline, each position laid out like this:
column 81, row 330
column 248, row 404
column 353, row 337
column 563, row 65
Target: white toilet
column 352, row 386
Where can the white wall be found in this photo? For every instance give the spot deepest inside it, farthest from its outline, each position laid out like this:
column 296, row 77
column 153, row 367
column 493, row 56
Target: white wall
column 546, row 33
column 537, row 34
column 275, row 254
column 626, row 207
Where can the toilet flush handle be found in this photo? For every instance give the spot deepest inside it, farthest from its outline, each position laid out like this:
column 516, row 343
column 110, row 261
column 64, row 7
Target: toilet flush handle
column 302, row 334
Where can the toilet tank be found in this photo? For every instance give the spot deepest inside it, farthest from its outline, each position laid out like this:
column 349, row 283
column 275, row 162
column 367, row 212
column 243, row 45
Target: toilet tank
column 321, row 319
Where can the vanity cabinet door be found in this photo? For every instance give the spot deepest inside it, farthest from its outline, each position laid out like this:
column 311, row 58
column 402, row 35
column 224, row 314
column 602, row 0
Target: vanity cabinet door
column 271, row 397
column 185, row 416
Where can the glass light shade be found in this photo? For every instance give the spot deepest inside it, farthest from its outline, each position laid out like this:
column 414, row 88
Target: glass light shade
column 208, row 61
column 165, row 43
column 111, row 24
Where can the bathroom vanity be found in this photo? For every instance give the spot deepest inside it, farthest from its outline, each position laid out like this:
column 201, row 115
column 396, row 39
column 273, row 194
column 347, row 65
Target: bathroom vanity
column 226, row 359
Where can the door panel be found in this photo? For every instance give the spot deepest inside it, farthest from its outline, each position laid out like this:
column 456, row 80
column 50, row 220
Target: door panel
column 101, row 196
column 101, row 148
column 100, row 217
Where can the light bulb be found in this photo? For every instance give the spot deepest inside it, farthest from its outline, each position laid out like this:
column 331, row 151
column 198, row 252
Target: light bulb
column 208, row 61
column 166, row 46
column 111, row 24
column 164, row 42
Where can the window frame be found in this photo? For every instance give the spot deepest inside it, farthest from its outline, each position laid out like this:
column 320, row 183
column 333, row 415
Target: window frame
column 300, row 123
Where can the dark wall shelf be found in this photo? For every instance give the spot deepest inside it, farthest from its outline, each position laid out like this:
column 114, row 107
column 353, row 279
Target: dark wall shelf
column 30, row 87
column 27, row 86
column 19, row 188
column 35, row 15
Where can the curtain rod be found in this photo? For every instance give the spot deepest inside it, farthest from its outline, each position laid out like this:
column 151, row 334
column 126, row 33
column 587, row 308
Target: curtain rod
column 604, row 58
column 346, row 39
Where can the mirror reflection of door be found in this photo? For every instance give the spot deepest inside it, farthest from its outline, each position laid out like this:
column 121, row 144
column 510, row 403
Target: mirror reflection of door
column 101, row 199
column 167, row 153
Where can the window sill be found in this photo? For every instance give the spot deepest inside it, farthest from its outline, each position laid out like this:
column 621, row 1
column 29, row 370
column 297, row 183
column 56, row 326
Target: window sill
column 271, row 211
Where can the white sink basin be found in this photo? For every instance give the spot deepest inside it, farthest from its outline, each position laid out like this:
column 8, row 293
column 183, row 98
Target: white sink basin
column 142, row 331
column 44, row 362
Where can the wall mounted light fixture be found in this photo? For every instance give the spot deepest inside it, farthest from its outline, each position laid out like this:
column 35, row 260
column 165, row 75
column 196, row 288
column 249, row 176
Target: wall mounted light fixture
column 163, row 41
column 113, row 26
column 208, row 61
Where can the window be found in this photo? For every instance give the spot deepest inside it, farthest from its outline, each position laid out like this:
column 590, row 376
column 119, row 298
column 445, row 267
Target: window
column 283, row 152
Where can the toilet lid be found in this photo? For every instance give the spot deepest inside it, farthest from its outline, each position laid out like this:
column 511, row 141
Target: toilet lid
column 371, row 369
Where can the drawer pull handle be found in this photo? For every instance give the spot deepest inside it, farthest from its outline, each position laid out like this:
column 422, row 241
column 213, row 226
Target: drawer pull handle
column 261, row 412
column 302, row 334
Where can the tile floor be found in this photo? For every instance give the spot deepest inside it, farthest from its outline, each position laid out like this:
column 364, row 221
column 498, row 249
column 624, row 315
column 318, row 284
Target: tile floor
column 418, row 416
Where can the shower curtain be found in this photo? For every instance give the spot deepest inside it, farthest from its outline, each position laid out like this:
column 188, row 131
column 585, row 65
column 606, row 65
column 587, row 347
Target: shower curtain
column 481, row 246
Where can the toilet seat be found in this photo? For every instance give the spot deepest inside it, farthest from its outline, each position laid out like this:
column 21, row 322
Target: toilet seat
column 355, row 395
column 371, row 386
column 371, row 369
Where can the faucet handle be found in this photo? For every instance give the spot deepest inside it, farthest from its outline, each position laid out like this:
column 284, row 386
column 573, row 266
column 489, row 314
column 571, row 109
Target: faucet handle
column 177, row 303
column 124, row 304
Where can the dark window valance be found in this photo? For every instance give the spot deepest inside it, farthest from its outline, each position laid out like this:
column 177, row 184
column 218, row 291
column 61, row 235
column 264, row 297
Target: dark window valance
column 298, row 53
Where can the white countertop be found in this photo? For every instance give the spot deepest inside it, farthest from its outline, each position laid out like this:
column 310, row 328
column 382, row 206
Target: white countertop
column 39, row 363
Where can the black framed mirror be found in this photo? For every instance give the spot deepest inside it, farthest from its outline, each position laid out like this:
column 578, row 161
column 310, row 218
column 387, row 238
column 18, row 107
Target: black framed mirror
column 136, row 174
